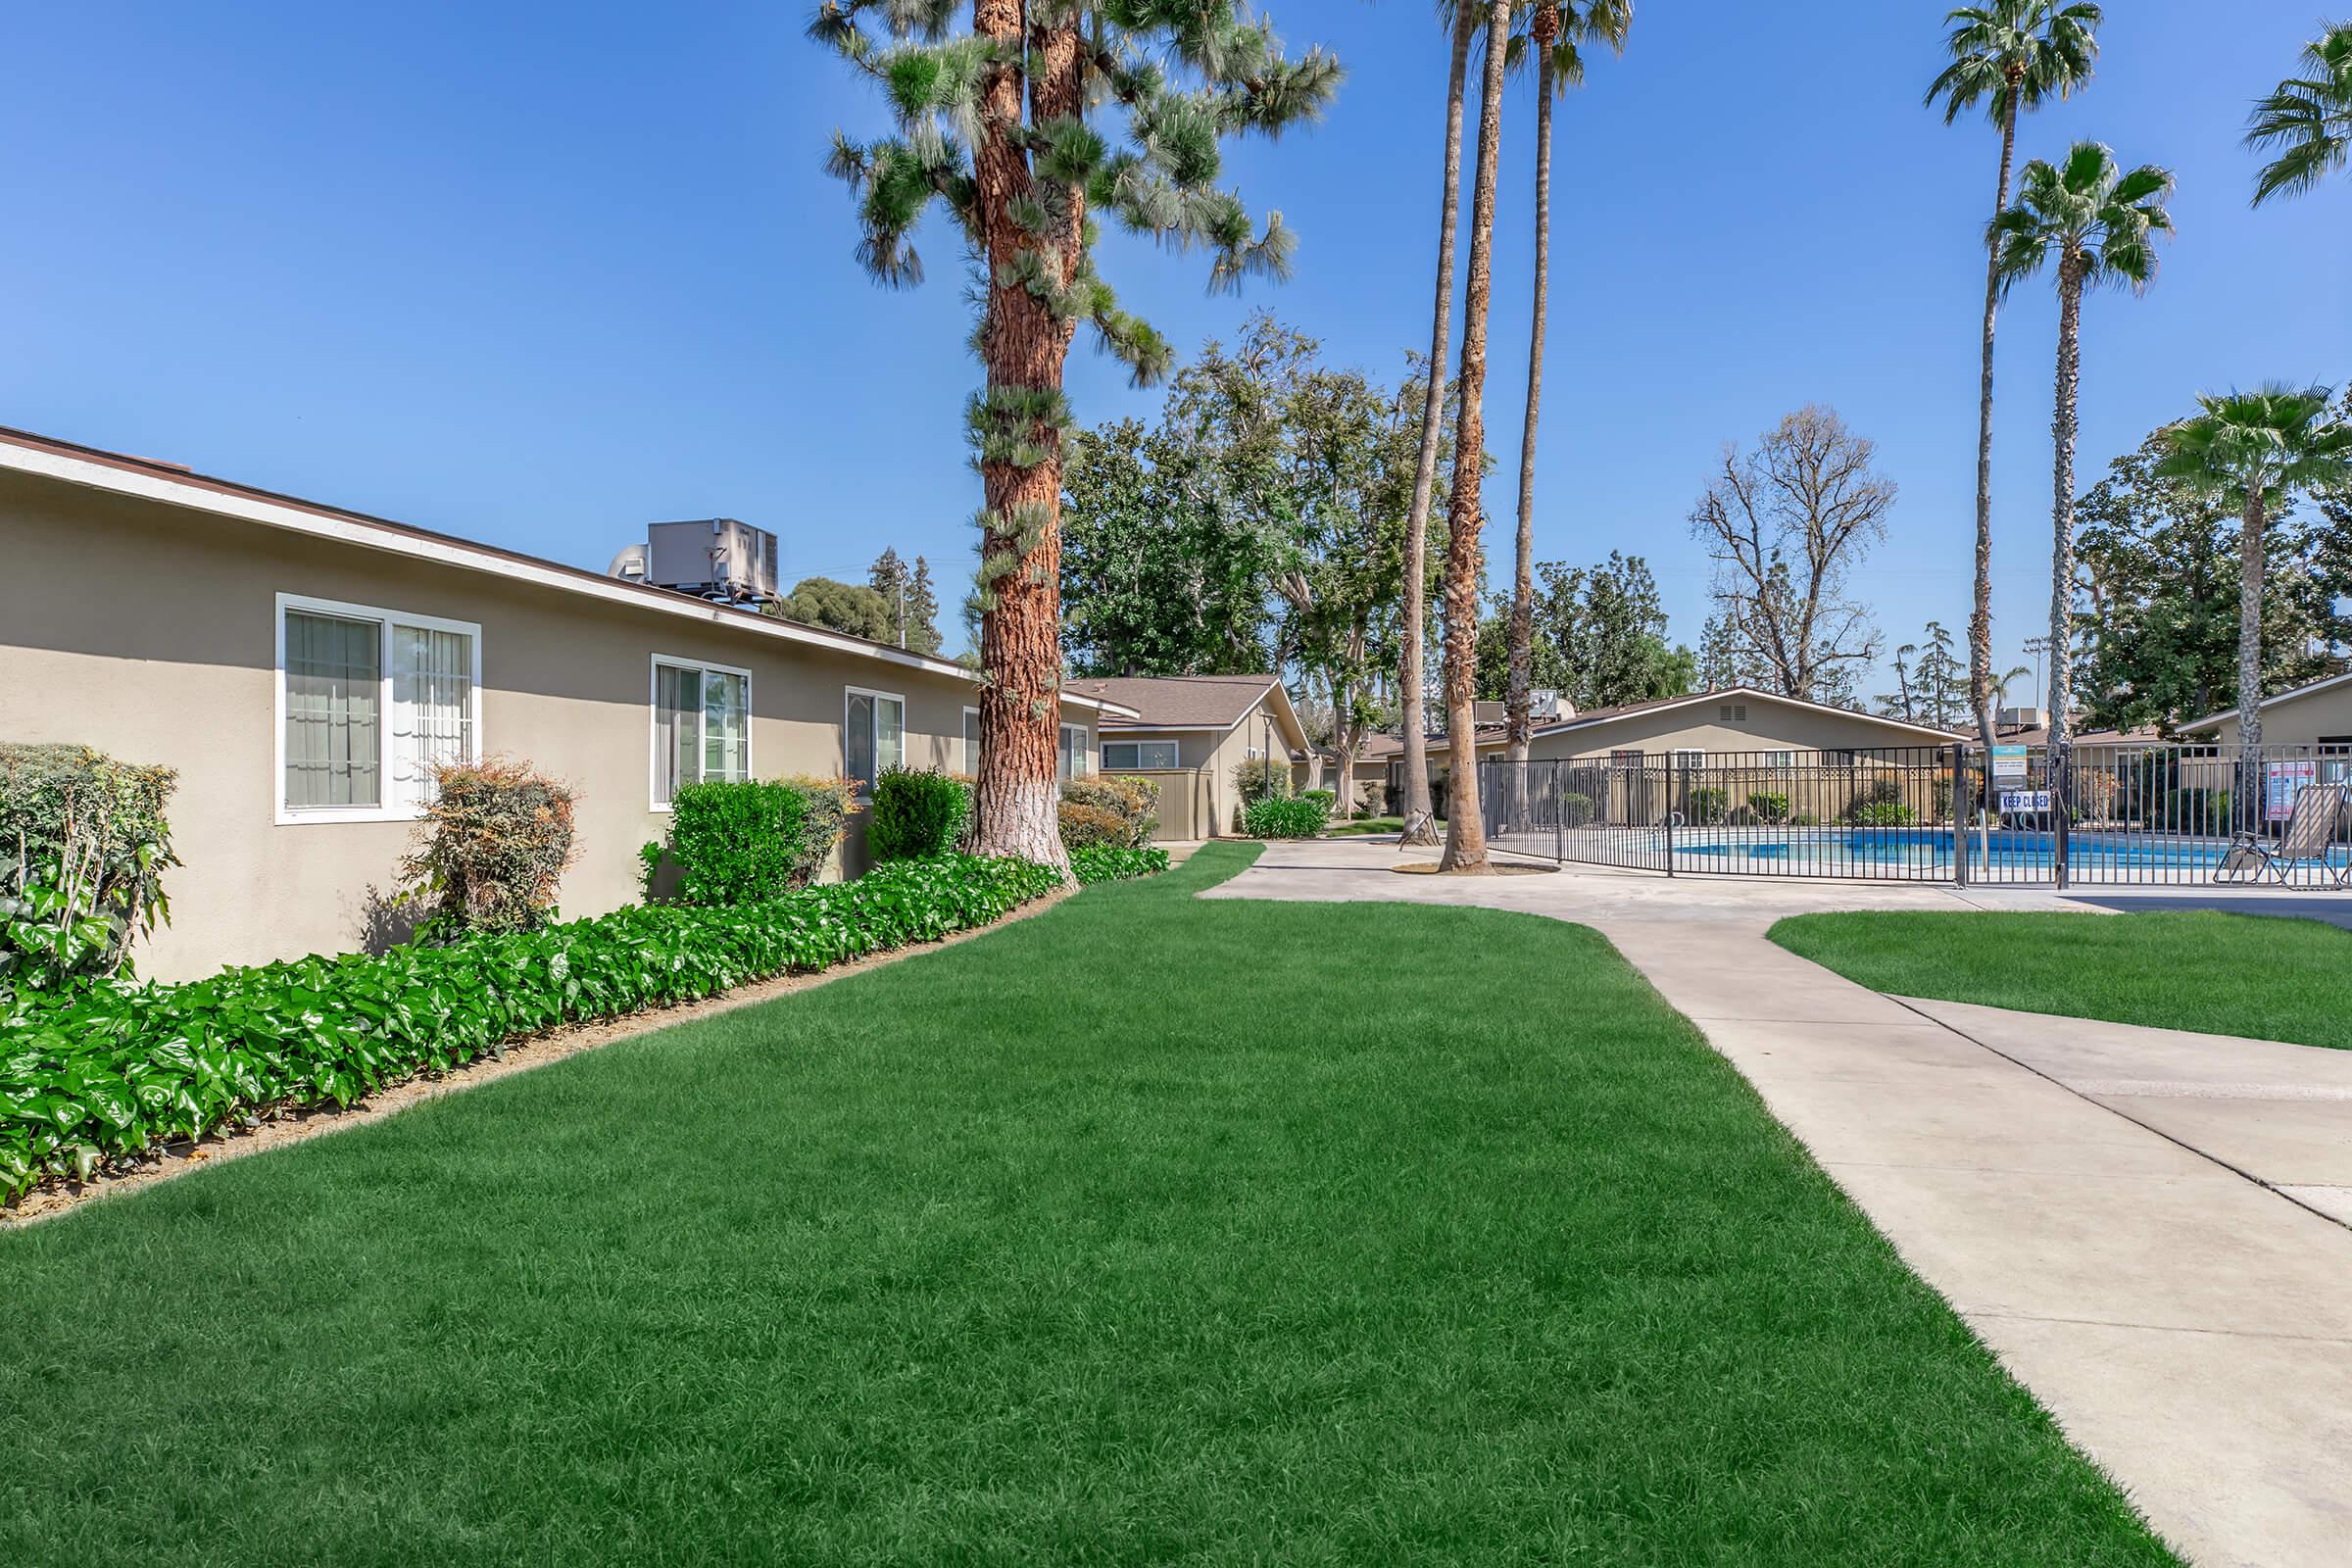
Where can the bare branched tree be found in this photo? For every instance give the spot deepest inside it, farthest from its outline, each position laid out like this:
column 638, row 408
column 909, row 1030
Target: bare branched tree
column 1786, row 526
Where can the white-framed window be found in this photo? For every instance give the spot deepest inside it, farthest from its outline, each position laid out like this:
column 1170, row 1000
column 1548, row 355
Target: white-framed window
column 971, row 741
column 1689, row 756
column 702, row 725
column 1074, row 759
column 1780, row 758
column 369, row 701
column 873, row 733
column 1118, row 755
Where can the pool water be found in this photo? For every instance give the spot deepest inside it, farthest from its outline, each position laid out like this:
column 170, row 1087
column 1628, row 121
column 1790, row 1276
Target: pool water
column 2005, row 855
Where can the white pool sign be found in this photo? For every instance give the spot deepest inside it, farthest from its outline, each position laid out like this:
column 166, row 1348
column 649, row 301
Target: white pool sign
column 2025, row 800
column 2008, row 764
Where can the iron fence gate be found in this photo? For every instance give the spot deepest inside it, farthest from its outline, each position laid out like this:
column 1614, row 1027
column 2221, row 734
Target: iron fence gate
column 2023, row 816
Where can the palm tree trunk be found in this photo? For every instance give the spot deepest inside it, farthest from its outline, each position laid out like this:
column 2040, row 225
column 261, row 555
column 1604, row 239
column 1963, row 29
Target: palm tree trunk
column 1418, row 827
column 1519, row 698
column 2062, row 508
column 1980, row 619
column 2249, row 663
column 1465, row 830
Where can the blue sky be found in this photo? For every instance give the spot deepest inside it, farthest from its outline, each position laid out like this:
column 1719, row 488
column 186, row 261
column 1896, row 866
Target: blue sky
column 538, row 274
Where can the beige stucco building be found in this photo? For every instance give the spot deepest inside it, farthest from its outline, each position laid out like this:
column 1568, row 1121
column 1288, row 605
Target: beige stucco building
column 301, row 666
column 1189, row 734
column 2317, row 715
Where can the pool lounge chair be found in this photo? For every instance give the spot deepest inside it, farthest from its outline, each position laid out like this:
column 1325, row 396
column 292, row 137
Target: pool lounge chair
column 2310, row 835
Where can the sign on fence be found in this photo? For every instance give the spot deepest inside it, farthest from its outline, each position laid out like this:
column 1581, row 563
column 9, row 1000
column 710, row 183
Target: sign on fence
column 2282, row 782
column 2008, row 764
column 2025, row 800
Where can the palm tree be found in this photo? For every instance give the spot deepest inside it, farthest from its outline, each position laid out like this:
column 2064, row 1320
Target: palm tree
column 2308, row 121
column 2008, row 55
column 2100, row 225
column 1411, row 677
column 2002, row 683
column 1556, row 30
column 2259, row 448
column 1465, row 833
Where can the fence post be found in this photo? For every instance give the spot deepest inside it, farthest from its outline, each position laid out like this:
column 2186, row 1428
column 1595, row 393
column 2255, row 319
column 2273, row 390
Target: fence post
column 1559, row 815
column 1669, row 792
column 1960, row 805
column 2062, row 809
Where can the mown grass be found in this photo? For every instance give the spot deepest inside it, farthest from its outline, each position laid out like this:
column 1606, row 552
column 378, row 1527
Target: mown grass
column 1371, row 824
column 1147, row 1230
column 2216, row 973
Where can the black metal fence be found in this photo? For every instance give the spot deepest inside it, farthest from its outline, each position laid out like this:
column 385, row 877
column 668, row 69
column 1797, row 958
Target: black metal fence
column 2021, row 816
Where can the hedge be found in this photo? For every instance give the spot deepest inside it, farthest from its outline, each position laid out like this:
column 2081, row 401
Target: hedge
column 1110, row 862
column 1112, row 809
column 1283, row 816
column 95, row 1077
column 83, row 847
column 916, row 816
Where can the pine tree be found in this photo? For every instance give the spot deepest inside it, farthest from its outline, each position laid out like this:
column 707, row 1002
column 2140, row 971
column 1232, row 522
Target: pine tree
column 888, row 577
column 922, row 609
column 1000, row 125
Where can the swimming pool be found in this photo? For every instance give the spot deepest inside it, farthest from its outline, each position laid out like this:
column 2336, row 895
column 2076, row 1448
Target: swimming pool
column 1926, row 854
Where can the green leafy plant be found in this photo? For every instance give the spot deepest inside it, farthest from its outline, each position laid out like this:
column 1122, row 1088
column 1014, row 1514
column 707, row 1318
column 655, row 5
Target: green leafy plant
column 108, row 1073
column 83, row 847
column 1328, row 800
column 735, row 843
column 1261, row 778
column 1576, row 810
column 1283, row 816
column 916, row 816
column 1769, row 806
column 1114, row 810
column 493, row 845
column 826, row 804
column 1110, row 863
column 1882, row 813
column 1707, row 804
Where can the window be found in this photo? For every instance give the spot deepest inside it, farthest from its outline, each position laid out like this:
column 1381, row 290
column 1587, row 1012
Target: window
column 1624, row 759
column 1731, row 714
column 873, row 733
column 702, row 727
column 1780, row 758
column 1074, row 759
column 369, row 702
column 1687, row 757
column 1138, row 755
column 971, row 741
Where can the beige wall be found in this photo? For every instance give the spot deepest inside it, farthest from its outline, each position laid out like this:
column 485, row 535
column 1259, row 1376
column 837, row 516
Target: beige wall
column 150, row 633
column 1205, row 805
column 1770, row 726
column 2302, row 720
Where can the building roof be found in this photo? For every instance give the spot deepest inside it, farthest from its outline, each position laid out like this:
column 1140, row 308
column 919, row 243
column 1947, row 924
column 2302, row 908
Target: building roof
column 1179, row 702
column 2290, row 695
column 1602, row 715
column 177, row 484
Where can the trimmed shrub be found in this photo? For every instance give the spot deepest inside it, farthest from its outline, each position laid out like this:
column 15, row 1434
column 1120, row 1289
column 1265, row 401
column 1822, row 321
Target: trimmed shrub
column 734, row 843
column 1282, row 817
column 103, row 1076
column 83, row 847
column 916, row 816
column 1576, row 811
column 1707, row 806
column 1882, row 813
column 824, row 820
column 1328, row 800
column 1108, row 863
column 1769, row 806
column 1261, row 778
column 1112, row 810
column 490, row 851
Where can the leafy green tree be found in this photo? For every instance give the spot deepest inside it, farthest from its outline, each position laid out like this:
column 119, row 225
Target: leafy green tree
column 1600, row 637
column 2159, row 595
column 889, row 577
column 922, row 609
column 2097, row 224
column 1932, row 684
column 2009, row 56
column 2259, row 450
column 1001, row 125
column 1556, row 32
column 837, row 605
column 2306, row 123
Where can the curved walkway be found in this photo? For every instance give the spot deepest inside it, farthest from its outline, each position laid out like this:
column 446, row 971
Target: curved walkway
column 2135, row 1221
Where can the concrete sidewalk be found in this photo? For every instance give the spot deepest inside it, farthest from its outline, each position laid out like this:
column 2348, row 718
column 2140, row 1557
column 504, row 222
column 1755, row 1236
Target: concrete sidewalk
column 2190, row 1326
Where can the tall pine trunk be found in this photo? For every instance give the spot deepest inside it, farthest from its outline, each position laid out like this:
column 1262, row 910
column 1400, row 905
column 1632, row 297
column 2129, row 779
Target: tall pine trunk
column 1979, row 617
column 1413, row 677
column 1518, row 716
column 2249, row 661
column 1465, row 830
column 1018, row 423
column 2062, row 512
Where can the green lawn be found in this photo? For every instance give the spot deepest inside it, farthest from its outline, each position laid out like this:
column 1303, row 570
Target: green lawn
column 1148, row 1230
column 1372, row 824
column 2230, row 975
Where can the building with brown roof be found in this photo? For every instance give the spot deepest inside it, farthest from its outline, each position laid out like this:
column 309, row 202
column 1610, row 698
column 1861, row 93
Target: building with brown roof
column 1189, row 734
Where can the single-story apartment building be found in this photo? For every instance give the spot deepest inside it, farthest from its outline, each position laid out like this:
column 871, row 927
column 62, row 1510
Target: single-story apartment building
column 302, row 667
column 1189, row 734
column 2317, row 715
